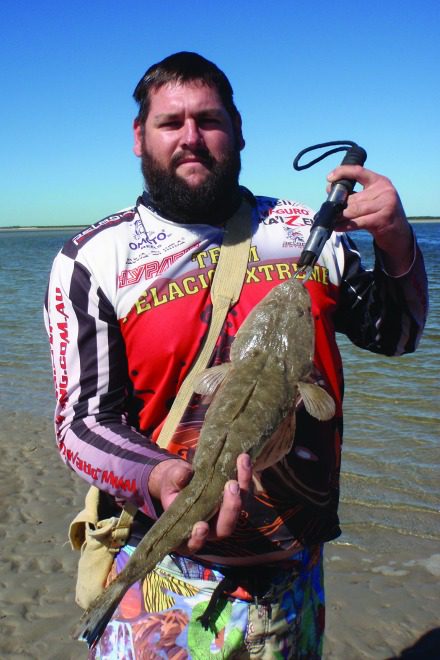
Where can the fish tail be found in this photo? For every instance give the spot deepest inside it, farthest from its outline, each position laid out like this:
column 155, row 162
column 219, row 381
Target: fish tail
column 162, row 538
column 95, row 619
column 165, row 535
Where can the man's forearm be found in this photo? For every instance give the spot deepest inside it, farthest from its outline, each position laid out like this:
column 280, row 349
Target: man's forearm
column 397, row 251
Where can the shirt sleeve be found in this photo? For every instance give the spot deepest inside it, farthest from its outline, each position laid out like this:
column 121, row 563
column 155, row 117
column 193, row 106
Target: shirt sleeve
column 377, row 311
column 92, row 429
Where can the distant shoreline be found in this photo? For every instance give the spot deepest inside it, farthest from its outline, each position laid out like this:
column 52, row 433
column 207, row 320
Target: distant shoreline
column 78, row 228
column 415, row 220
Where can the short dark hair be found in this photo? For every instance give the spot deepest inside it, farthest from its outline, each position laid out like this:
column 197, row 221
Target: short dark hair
column 183, row 67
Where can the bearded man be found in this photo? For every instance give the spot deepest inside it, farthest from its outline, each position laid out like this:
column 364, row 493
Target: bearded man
column 127, row 309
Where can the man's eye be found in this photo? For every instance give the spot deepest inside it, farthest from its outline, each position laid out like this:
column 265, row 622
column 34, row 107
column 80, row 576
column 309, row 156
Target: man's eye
column 210, row 121
column 170, row 124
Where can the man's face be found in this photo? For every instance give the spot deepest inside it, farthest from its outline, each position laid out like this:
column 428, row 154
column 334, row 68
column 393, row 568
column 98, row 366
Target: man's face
column 190, row 149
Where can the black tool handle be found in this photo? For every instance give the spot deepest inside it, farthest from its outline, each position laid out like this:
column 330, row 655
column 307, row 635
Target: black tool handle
column 354, row 156
column 327, row 216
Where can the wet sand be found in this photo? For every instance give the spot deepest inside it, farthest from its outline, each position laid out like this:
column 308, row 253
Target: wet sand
column 379, row 601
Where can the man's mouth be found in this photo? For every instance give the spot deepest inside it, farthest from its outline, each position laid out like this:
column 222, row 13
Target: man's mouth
column 192, row 159
column 184, row 161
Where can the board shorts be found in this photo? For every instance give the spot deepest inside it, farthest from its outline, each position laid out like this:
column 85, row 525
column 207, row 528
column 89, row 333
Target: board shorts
column 273, row 612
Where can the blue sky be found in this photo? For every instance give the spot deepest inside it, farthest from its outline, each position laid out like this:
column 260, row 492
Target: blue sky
column 303, row 72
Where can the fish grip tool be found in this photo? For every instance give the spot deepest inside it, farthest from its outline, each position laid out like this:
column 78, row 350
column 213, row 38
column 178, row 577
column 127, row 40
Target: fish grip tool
column 327, row 216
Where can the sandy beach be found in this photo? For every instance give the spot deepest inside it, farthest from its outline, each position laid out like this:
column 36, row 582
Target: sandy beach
column 378, row 603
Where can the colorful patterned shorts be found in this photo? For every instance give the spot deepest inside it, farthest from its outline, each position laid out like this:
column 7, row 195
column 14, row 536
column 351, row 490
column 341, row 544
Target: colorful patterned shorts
column 158, row 617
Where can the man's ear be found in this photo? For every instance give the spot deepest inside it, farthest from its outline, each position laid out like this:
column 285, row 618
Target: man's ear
column 238, row 132
column 138, row 131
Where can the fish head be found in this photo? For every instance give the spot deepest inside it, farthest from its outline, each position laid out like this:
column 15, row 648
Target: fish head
column 280, row 327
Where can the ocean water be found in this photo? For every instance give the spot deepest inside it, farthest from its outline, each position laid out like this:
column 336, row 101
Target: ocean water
column 391, row 455
column 390, row 485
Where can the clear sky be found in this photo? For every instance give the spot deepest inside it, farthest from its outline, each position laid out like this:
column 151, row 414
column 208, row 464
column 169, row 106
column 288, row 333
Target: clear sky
column 303, row 72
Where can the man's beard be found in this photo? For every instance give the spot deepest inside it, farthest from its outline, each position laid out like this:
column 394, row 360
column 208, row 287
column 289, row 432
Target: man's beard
column 211, row 202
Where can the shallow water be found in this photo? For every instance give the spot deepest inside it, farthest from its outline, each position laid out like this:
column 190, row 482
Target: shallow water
column 391, row 452
column 390, row 483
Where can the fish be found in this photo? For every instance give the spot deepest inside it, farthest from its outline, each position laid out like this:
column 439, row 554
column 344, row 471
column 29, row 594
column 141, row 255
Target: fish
column 252, row 410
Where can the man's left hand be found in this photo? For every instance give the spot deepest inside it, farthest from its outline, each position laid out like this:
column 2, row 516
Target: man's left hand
column 378, row 209
column 224, row 522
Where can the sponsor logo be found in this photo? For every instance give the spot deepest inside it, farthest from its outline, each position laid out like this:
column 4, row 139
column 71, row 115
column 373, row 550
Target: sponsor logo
column 111, row 220
column 63, row 337
column 294, row 237
column 150, row 269
column 143, row 238
column 287, row 215
column 104, row 476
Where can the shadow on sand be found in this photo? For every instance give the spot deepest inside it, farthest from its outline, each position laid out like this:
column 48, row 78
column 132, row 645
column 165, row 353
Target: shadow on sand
column 426, row 648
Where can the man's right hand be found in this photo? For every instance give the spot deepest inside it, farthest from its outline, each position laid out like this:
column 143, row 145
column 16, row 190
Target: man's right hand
column 168, row 478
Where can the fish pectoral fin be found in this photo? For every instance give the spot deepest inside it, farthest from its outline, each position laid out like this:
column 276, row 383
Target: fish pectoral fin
column 209, row 380
column 256, row 481
column 278, row 445
column 317, row 401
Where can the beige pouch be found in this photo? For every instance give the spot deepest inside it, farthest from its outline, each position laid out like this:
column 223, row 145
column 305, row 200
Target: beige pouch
column 98, row 541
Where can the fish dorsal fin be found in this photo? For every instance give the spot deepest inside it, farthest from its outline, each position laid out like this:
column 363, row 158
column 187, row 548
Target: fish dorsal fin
column 209, row 380
column 317, row 401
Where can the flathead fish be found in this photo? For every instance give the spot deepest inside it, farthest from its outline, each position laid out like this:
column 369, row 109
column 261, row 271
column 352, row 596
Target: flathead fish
column 252, row 411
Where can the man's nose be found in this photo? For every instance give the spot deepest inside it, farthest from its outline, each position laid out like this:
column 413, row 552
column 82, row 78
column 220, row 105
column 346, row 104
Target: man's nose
column 191, row 134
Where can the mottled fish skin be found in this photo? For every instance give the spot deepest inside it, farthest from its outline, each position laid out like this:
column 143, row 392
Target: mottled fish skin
column 270, row 356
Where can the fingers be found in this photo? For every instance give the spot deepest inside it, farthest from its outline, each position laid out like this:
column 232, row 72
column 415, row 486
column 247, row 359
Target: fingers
column 234, row 498
column 357, row 172
column 229, row 511
column 374, row 208
column 197, row 540
column 378, row 209
column 244, row 473
column 223, row 524
column 225, row 521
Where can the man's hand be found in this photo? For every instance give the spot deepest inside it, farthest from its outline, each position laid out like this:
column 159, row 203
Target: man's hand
column 378, row 209
column 168, row 478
